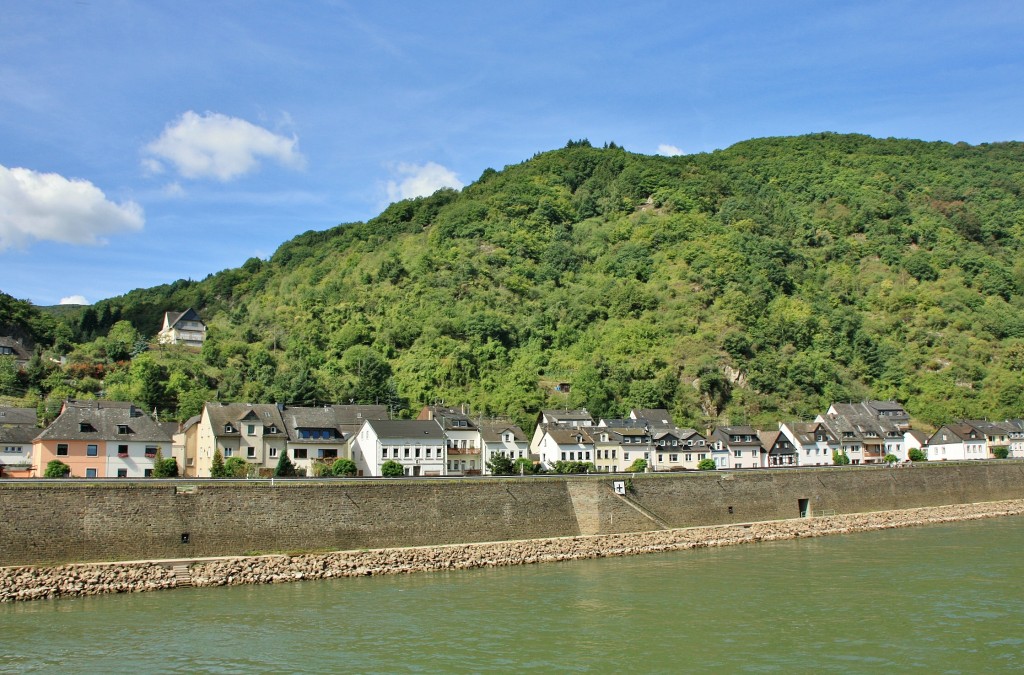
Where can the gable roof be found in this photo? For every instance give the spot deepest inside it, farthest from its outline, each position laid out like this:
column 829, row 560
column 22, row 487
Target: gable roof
column 18, row 416
column 171, row 319
column 236, row 414
column 491, row 431
column 101, row 421
column 656, row 417
column 412, row 429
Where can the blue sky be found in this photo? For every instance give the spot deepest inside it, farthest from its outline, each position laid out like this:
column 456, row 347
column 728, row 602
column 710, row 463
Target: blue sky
column 143, row 142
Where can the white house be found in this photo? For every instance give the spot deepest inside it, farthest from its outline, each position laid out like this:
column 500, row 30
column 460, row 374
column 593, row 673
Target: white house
column 418, row 445
column 502, row 437
column 813, row 442
column 182, row 328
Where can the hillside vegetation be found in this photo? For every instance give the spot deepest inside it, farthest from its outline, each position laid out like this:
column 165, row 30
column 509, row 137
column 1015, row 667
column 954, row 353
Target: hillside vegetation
column 754, row 284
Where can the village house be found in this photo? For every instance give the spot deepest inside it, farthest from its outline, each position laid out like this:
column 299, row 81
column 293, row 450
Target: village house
column 560, row 443
column 463, row 445
column 315, row 434
column 967, row 439
column 1015, row 435
column 736, row 447
column 253, row 431
column 634, row 440
column 418, row 445
column 780, row 450
column 502, row 437
column 16, row 349
column 607, row 450
column 812, row 441
column 101, row 439
column 183, row 446
column 182, row 328
column 18, row 426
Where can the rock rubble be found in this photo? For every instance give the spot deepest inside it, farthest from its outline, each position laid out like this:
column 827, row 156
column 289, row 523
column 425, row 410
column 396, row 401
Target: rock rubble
column 36, row 583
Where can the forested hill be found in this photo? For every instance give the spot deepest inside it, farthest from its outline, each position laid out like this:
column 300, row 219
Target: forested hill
column 757, row 283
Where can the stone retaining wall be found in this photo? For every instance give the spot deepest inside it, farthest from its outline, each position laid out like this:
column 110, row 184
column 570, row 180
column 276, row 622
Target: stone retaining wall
column 30, row 583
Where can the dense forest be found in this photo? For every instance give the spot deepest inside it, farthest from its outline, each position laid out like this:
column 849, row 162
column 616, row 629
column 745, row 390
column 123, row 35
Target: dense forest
column 753, row 284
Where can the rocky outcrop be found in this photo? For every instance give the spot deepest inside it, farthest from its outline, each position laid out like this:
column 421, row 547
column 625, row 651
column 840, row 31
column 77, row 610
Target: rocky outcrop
column 31, row 583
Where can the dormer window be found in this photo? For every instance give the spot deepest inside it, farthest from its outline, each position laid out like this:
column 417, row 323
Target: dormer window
column 86, row 427
column 228, row 429
column 123, row 429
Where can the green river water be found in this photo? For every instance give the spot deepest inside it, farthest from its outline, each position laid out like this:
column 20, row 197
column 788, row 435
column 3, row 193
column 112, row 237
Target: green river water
column 937, row 599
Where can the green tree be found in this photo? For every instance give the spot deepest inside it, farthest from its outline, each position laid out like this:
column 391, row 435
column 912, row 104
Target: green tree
column 639, row 465
column 344, row 467
column 284, row 468
column 391, row 469
column 706, row 464
column 165, row 468
column 8, row 376
column 524, row 466
column 121, row 341
column 917, row 455
column 217, row 468
column 236, row 467
column 57, row 469
column 840, row 458
column 890, row 459
column 1000, row 452
column 500, row 465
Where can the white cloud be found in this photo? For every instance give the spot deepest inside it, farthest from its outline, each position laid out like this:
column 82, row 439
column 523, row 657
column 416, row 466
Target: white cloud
column 217, row 146
column 50, row 207
column 669, row 150
column 74, row 300
column 420, row 180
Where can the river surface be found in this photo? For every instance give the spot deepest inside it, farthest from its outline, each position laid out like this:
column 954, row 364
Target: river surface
column 936, row 599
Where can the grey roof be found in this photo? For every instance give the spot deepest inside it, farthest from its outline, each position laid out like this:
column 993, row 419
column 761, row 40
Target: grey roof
column 100, row 421
column 806, row 432
column 449, row 418
column 339, row 418
column 420, row 429
column 17, row 434
column 568, row 435
column 172, row 318
column 18, row 416
column 21, row 352
column 491, row 431
column 236, row 414
column 656, row 417
column 557, row 416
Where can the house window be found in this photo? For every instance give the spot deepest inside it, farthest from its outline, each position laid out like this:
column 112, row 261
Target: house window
column 228, row 428
column 737, row 453
column 661, row 458
column 122, row 473
column 62, row 449
column 148, row 473
column 273, row 453
column 406, row 453
column 122, row 451
column 90, row 473
column 673, row 458
column 687, row 457
column 228, row 452
column 625, row 456
column 250, row 452
column 151, row 451
column 250, row 429
column 92, row 450
column 300, row 453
